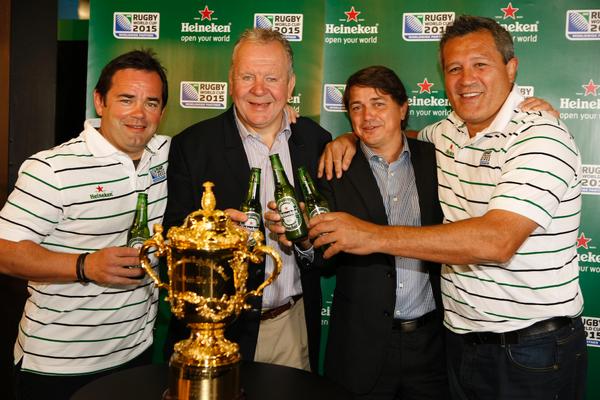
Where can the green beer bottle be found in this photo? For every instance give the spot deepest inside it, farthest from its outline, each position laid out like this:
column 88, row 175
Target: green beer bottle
column 287, row 205
column 251, row 206
column 313, row 200
column 139, row 232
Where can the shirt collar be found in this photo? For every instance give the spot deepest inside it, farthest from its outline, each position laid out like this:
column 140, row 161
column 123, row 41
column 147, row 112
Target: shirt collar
column 502, row 118
column 100, row 147
column 372, row 156
column 245, row 132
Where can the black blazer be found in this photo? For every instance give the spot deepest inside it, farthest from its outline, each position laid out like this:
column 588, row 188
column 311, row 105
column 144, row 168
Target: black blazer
column 365, row 293
column 212, row 150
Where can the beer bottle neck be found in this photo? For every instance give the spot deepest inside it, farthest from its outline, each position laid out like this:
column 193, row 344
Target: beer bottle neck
column 254, row 187
column 141, row 210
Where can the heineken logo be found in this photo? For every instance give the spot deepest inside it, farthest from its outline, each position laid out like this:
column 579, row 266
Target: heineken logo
column 100, row 193
column 586, row 100
column 206, row 14
column 427, row 102
column 512, row 21
column 351, row 29
column 204, row 24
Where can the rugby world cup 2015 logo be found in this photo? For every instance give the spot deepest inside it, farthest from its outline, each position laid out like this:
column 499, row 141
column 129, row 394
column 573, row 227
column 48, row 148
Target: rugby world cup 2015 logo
column 333, row 95
column 427, row 26
column 289, row 25
column 582, row 24
column 136, row 25
column 205, row 95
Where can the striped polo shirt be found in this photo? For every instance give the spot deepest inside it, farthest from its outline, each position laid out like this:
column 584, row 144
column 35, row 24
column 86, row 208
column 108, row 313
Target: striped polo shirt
column 81, row 197
column 526, row 163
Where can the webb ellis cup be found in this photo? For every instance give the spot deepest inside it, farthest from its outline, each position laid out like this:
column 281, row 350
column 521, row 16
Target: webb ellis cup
column 207, row 259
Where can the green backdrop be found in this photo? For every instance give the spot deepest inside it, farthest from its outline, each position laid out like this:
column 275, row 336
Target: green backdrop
column 557, row 43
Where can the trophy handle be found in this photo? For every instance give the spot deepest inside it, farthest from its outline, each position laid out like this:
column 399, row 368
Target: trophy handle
column 256, row 257
column 161, row 249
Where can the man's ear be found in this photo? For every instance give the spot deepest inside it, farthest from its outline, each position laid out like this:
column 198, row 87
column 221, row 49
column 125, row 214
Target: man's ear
column 291, row 85
column 511, row 69
column 98, row 103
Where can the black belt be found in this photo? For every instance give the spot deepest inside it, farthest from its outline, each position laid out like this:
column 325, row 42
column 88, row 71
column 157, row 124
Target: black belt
column 513, row 337
column 274, row 312
column 411, row 325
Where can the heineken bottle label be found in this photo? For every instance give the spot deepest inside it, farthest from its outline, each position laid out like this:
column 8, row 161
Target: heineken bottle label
column 253, row 221
column 136, row 243
column 318, row 210
column 290, row 213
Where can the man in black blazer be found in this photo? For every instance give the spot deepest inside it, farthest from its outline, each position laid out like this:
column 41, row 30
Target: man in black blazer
column 285, row 327
column 385, row 339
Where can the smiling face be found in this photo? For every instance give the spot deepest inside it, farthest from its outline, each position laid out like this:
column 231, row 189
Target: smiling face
column 131, row 111
column 377, row 119
column 476, row 78
column 260, row 85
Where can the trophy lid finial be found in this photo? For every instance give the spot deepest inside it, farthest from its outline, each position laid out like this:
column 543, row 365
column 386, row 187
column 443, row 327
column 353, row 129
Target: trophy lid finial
column 207, row 229
column 208, row 197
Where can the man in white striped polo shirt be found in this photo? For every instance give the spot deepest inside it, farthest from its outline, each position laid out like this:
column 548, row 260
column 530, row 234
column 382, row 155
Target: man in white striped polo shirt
column 64, row 228
column 509, row 184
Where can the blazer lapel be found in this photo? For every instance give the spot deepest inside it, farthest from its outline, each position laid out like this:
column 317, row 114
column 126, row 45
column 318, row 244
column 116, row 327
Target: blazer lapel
column 421, row 178
column 366, row 187
column 298, row 156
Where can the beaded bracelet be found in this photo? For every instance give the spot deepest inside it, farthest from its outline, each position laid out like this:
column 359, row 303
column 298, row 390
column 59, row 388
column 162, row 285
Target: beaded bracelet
column 80, row 269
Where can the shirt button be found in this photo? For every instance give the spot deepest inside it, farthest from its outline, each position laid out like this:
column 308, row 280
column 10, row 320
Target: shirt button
column 386, row 314
column 401, row 285
column 389, row 274
column 392, row 174
column 395, row 198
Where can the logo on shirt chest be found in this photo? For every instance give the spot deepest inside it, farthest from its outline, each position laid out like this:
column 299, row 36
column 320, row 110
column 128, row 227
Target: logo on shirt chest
column 101, row 192
column 485, row 158
column 450, row 150
column 158, row 173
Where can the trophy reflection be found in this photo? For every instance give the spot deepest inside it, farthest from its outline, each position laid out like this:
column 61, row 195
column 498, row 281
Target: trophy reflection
column 207, row 259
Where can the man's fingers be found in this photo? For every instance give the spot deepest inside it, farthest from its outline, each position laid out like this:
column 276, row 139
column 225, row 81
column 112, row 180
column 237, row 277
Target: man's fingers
column 236, row 215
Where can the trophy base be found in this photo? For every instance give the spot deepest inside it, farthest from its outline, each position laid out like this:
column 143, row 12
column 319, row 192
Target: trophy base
column 188, row 382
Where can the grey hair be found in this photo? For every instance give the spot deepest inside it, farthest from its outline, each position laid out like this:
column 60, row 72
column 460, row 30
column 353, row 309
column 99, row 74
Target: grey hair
column 265, row 36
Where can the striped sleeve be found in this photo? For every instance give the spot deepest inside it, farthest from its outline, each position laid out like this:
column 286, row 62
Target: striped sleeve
column 35, row 205
column 541, row 166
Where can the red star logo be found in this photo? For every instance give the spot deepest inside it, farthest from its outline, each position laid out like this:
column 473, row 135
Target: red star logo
column 509, row 11
column 590, row 88
column 425, row 86
column 206, row 13
column 352, row 15
column 582, row 241
column 99, row 188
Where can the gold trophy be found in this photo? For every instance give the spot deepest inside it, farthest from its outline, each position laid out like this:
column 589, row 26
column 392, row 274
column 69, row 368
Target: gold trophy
column 207, row 259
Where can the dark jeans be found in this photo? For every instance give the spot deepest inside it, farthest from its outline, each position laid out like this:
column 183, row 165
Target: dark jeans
column 414, row 367
column 540, row 367
column 30, row 386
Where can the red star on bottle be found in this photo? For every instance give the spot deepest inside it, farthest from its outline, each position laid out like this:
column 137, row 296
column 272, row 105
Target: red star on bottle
column 582, row 241
column 352, row 15
column 425, row 86
column 590, row 88
column 509, row 11
column 206, row 13
column 99, row 188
